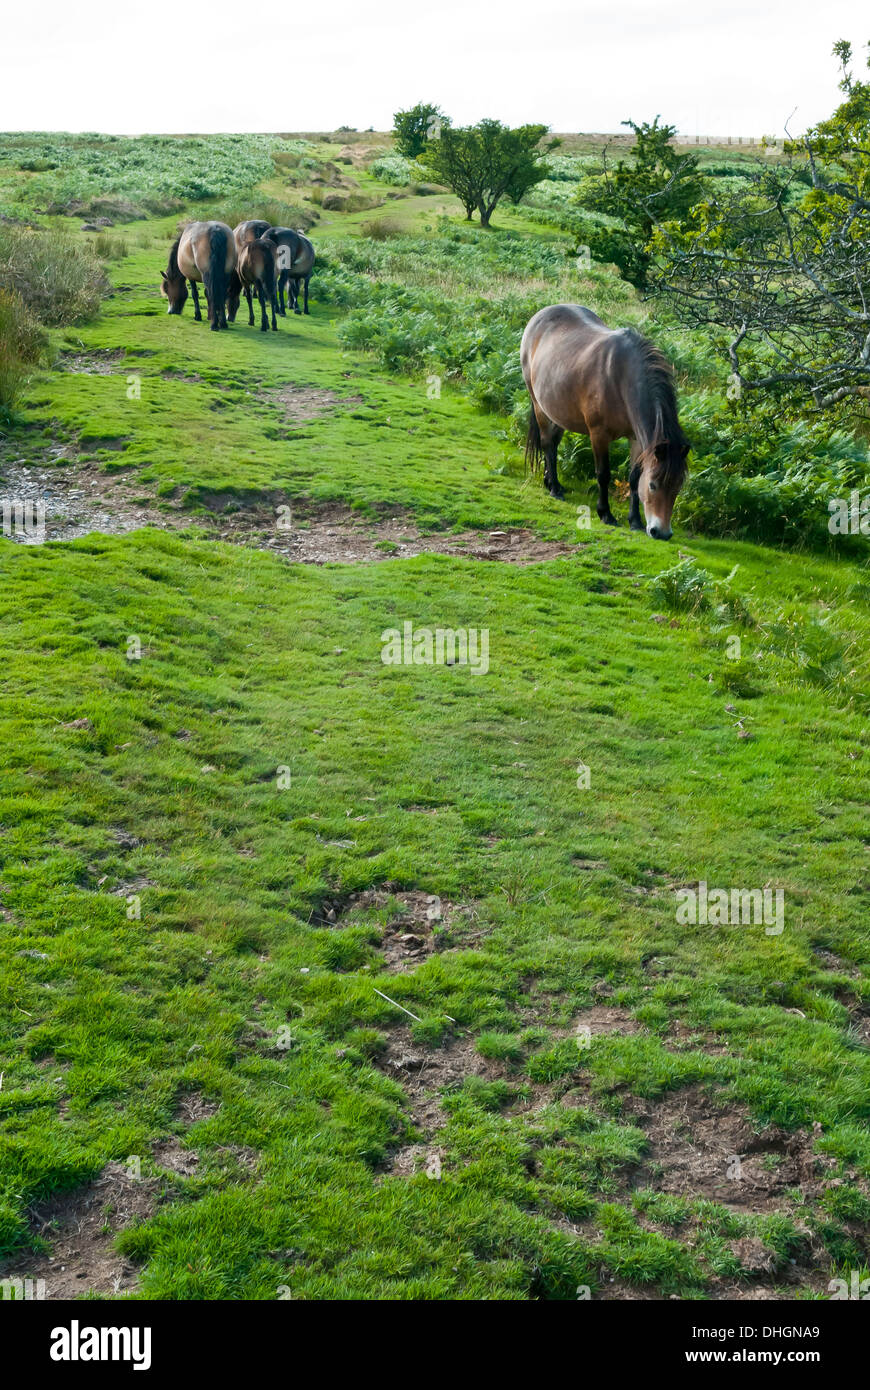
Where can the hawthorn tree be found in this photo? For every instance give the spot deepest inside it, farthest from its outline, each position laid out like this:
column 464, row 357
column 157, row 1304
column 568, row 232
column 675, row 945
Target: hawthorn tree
column 656, row 183
column 782, row 264
column 486, row 162
column 414, row 128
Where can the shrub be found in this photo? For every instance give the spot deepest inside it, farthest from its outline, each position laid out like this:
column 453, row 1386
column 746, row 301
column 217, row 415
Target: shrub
column 108, row 247
column 381, row 228
column 19, row 330
column 57, row 276
column 13, row 375
column 21, row 343
column 272, row 210
column 393, row 169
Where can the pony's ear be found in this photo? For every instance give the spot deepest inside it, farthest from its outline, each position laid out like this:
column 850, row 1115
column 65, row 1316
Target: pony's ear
column 165, row 276
column 661, row 450
column 684, row 450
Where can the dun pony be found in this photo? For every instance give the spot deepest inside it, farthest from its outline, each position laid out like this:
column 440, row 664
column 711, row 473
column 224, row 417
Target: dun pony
column 609, row 384
column 204, row 253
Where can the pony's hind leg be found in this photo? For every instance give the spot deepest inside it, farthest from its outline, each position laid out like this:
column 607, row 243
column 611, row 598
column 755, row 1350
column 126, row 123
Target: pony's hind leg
column 197, row 314
column 261, row 295
column 282, row 281
column 551, row 448
column 307, row 278
column 250, row 300
column 296, row 308
column 550, row 434
column 601, row 450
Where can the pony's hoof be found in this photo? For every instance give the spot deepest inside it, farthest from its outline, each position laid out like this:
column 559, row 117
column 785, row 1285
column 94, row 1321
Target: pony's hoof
column 637, row 526
column 609, row 520
column 558, row 493
column 297, row 311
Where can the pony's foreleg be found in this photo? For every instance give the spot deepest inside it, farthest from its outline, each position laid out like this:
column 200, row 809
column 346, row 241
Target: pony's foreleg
column 296, row 308
column 634, row 517
column 196, row 309
column 307, row 278
column 282, row 280
column 601, row 450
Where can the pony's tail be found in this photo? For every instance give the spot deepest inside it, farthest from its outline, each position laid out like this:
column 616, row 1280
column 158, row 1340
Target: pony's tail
column 220, row 279
column 534, row 447
column 269, row 277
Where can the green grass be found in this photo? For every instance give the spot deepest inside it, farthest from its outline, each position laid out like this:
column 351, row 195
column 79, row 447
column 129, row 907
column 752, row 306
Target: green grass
column 434, row 778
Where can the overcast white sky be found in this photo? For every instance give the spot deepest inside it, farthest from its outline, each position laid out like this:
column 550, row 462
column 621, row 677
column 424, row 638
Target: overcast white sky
column 717, row 68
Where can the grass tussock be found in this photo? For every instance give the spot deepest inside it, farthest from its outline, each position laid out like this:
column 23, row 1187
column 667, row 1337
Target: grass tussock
column 57, row 275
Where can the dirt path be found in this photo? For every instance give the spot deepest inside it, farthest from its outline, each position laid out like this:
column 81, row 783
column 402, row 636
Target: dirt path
column 80, row 499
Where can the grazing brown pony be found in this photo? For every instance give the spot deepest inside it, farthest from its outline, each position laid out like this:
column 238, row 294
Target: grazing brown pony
column 205, row 253
column 249, row 231
column 255, row 271
column 610, row 384
column 295, row 264
column 243, row 235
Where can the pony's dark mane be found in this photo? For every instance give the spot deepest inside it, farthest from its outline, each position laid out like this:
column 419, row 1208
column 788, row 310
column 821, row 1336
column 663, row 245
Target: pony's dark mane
column 172, row 269
column 661, row 402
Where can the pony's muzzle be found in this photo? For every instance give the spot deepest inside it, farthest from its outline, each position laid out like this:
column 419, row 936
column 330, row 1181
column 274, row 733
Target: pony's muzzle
column 658, row 530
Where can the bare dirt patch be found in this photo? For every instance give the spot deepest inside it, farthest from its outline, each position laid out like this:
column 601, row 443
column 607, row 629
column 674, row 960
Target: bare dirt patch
column 81, row 1226
column 97, row 362
column 699, row 1147
column 417, row 923
column 79, row 499
column 82, row 498
column 300, row 403
column 171, row 1155
column 192, row 1106
column 332, row 533
column 602, row 1019
column 424, row 1073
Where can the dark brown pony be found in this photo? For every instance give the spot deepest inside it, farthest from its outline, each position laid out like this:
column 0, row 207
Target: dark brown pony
column 205, row 253
column 255, row 270
column 610, row 384
column 295, row 264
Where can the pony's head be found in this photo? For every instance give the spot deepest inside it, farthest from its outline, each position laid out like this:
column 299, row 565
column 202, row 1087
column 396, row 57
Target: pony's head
column 663, row 470
column 173, row 286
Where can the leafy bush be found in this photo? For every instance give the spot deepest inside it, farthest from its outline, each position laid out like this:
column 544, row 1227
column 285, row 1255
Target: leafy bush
column 686, row 587
column 393, row 169
column 58, row 277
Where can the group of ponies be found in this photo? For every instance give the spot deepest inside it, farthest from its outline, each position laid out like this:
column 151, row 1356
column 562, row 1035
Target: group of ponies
column 253, row 258
column 581, row 376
